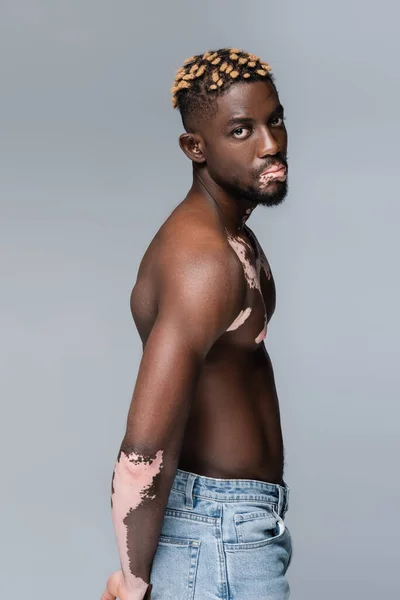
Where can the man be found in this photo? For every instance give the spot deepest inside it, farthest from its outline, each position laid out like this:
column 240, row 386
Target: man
column 198, row 496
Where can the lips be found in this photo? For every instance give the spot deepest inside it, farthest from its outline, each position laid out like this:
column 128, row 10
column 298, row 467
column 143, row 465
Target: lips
column 274, row 173
column 273, row 169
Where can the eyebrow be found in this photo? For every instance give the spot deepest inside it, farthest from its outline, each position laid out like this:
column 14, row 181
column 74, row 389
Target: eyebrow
column 235, row 120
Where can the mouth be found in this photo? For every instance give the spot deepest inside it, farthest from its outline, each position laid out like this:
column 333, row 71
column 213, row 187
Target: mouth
column 274, row 173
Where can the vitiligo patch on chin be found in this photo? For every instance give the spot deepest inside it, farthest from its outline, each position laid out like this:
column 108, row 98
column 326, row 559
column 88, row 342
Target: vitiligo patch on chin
column 132, row 483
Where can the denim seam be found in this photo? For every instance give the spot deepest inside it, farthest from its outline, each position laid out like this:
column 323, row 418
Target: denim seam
column 221, row 557
column 173, row 541
column 194, row 561
column 230, row 498
column 241, row 498
column 243, row 482
column 179, row 514
column 250, row 516
column 252, row 545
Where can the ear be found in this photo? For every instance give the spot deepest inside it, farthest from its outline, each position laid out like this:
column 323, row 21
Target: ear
column 192, row 146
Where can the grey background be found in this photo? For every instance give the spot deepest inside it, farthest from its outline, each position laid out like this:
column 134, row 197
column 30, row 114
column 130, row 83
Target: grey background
column 90, row 167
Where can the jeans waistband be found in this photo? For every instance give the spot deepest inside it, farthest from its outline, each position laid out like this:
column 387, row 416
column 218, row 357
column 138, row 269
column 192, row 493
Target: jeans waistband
column 225, row 490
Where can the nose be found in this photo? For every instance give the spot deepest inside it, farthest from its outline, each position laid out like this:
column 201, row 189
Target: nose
column 268, row 146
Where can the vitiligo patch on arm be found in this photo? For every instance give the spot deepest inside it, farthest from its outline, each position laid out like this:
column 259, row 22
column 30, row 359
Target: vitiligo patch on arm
column 131, row 486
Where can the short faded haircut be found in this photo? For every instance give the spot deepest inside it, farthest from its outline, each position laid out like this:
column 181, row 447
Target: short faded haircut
column 203, row 77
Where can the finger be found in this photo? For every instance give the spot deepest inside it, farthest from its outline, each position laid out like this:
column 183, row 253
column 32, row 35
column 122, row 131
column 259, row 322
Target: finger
column 107, row 596
column 112, row 586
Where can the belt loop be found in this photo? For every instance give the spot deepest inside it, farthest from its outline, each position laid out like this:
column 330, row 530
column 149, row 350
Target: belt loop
column 287, row 494
column 189, row 490
column 280, row 500
column 284, row 490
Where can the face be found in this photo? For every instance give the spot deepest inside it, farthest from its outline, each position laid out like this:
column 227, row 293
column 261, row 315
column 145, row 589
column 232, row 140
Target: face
column 243, row 139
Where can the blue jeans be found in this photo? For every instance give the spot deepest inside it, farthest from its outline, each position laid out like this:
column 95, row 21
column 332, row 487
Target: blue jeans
column 223, row 539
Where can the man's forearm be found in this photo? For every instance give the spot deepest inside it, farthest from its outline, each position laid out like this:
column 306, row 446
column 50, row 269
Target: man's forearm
column 140, row 489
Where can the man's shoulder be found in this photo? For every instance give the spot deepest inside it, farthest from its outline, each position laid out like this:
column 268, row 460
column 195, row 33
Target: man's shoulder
column 199, row 274
column 189, row 232
column 191, row 245
column 190, row 266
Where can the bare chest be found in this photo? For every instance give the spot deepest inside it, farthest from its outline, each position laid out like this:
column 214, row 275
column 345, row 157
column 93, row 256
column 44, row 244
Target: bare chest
column 250, row 325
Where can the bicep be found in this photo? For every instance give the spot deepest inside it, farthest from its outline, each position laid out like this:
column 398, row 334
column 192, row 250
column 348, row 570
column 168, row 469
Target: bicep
column 198, row 302
column 166, row 378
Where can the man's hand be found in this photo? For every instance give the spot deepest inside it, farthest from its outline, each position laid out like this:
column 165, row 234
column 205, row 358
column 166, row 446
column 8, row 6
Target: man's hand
column 115, row 589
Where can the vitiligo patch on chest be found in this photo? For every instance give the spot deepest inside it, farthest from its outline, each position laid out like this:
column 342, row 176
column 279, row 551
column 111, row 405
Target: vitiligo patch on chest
column 252, row 272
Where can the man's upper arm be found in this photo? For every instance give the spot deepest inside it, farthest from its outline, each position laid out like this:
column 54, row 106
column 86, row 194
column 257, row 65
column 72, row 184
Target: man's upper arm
column 201, row 292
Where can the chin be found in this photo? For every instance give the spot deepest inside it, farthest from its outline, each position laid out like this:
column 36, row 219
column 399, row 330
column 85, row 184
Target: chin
column 270, row 195
column 272, row 200
column 273, row 195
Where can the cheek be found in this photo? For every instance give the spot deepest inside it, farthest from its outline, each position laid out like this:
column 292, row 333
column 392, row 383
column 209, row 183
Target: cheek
column 282, row 139
column 245, row 158
column 232, row 163
column 219, row 165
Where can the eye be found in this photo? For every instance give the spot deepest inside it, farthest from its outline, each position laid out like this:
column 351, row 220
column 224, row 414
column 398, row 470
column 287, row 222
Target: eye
column 281, row 119
column 238, row 133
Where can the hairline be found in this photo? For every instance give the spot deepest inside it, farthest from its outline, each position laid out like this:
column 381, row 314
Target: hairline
column 213, row 103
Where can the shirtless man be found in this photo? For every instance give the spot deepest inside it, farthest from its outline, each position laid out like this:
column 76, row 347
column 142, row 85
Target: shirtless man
column 198, row 495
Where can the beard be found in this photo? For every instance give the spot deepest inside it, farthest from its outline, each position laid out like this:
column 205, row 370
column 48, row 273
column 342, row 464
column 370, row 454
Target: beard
column 272, row 194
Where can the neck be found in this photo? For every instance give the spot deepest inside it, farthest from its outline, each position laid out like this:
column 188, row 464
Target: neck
column 233, row 213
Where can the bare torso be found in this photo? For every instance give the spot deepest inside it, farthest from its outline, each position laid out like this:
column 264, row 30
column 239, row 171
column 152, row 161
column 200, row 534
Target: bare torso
column 234, row 428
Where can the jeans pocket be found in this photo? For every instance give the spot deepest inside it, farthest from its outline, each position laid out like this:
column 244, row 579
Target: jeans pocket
column 174, row 569
column 259, row 526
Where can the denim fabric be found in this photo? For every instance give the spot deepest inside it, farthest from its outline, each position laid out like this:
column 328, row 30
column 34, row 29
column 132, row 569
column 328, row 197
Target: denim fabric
column 223, row 539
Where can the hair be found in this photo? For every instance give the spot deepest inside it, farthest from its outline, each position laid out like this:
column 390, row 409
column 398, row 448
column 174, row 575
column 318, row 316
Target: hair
column 204, row 77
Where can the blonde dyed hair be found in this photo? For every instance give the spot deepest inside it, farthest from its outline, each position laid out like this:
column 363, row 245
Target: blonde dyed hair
column 204, row 76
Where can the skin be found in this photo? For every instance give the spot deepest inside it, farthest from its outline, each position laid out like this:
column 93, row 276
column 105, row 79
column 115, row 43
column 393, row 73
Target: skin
column 202, row 302
column 132, row 482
